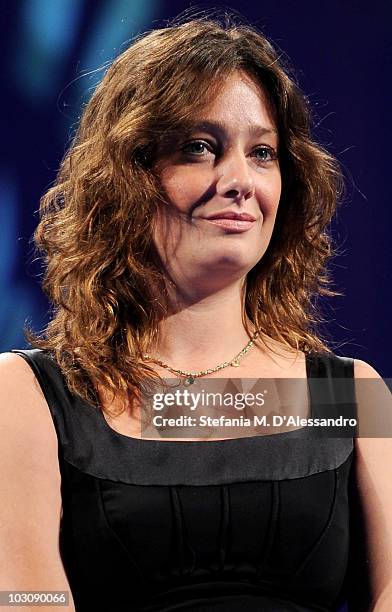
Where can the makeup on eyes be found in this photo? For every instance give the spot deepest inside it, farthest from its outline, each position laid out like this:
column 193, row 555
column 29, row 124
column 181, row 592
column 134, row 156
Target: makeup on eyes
column 210, row 147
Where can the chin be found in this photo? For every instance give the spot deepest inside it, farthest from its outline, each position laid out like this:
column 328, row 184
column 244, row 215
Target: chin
column 240, row 256
column 232, row 263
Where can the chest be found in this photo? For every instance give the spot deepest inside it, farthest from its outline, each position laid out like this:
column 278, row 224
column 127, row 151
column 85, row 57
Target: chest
column 281, row 537
column 254, row 390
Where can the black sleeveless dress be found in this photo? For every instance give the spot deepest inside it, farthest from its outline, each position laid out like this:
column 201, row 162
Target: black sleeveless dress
column 257, row 524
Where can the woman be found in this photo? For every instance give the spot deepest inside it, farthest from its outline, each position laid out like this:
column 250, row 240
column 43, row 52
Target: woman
column 186, row 236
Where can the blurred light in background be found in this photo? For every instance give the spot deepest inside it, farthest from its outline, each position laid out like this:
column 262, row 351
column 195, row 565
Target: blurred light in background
column 46, row 36
column 57, row 50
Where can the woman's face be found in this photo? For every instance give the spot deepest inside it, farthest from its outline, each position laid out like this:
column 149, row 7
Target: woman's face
column 227, row 164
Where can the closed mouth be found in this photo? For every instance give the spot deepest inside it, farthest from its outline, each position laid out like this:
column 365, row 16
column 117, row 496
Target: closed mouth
column 232, row 225
column 233, row 216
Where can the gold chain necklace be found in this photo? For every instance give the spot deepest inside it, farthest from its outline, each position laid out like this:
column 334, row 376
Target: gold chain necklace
column 190, row 376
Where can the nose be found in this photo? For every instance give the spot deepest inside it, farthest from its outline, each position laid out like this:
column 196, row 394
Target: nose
column 235, row 179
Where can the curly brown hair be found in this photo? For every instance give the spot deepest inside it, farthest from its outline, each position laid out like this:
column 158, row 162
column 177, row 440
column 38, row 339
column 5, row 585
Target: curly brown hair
column 102, row 275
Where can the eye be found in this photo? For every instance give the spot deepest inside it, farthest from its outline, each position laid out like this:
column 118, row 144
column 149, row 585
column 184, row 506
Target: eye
column 196, row 147
column 267, row 154
column 200, row 148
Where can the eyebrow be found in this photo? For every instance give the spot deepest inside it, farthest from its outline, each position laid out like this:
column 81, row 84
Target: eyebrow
column 217, row 126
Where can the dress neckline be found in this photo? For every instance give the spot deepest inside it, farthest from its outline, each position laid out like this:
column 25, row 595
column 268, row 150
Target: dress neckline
column 131, row 440
column 88, row 444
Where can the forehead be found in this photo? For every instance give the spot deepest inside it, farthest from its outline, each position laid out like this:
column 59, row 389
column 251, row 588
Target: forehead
column 239, row 99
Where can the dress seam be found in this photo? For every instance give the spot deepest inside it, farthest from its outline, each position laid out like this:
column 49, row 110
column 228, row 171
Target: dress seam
column 116, row 536
column 272, row 528
column 322, row 535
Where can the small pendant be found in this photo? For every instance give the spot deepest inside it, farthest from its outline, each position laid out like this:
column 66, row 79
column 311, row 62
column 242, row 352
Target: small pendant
column 189, row 381
column 235, row 364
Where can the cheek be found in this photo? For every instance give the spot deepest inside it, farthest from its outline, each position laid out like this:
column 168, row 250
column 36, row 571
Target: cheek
column 182, row 187
column 268, row 196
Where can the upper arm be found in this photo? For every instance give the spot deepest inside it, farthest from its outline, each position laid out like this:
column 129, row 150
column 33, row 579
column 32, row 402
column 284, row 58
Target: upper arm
column 30, row 484
column 373, row 482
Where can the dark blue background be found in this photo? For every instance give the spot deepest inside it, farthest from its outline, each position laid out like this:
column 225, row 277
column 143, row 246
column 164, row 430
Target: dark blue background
column 341, row 52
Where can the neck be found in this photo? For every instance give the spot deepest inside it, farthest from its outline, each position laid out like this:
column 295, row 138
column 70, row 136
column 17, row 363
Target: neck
column 203, row 333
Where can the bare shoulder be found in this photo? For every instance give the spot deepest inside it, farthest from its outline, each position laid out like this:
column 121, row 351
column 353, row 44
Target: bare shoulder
column 362, row 369
column 374, row 405
column 373, row 483
column 23, row 407
column 28, row 440
column 30, row 481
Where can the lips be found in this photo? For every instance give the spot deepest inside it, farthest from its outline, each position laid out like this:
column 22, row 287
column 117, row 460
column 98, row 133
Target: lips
column 231, row 215
column 231, row 225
